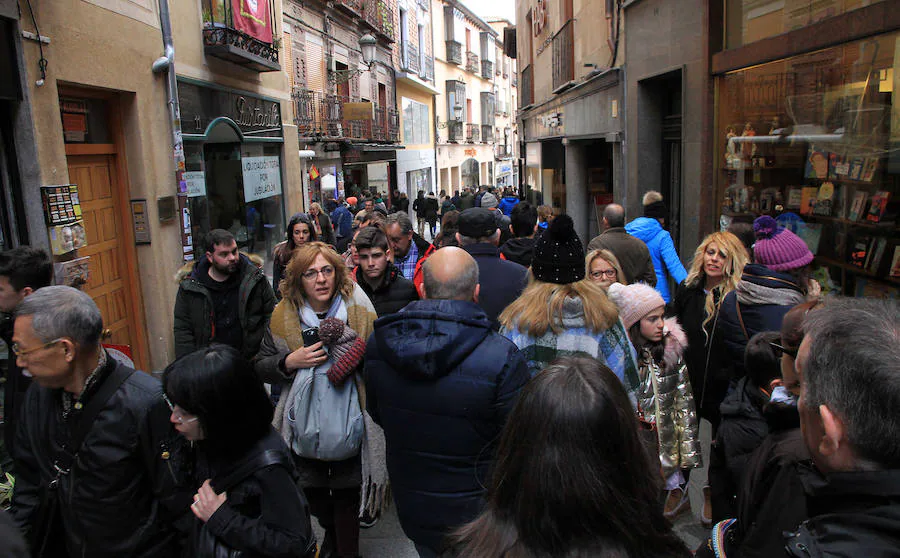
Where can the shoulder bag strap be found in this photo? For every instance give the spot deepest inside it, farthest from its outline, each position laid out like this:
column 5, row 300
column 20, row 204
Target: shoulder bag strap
column 245, row 469
column 737, row 306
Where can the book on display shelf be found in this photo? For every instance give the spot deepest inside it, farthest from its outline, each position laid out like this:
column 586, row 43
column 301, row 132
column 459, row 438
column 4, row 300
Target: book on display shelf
column 858, row 207
column 860, row 252
column 879, row 247
column 878, row 206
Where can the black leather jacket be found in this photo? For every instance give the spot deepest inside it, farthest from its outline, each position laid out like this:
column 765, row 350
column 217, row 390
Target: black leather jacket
column 120, row 496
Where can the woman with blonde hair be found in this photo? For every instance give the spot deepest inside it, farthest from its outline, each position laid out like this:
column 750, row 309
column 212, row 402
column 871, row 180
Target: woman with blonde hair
column 603, row 268
column 313, row 349
column 560, row 314
column 715, row 271
column 322, row 224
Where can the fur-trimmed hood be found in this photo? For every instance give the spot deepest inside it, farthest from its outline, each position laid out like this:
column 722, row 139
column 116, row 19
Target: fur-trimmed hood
column 675, row 342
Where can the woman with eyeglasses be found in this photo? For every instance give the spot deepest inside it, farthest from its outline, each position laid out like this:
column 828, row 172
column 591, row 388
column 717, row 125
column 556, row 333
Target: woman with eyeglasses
column 247, row 499
column 603, row 268
column 314, row 345
column 300, row 230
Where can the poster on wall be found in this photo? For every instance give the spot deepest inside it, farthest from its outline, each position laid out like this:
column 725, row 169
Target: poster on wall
column 252, row 17
column 262, row 177
column 196, row 183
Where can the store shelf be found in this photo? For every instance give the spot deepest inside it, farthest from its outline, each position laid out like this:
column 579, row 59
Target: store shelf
column 889, row 227
column 856, row 270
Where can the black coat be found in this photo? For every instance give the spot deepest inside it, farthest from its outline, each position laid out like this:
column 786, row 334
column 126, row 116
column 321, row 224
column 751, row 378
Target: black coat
column 740, row 433
column 14, row 389
column 419, row 207
column 501, row 281
column 431, row 209
column 519, row 250
column 265, row 514
column 754, row 317
column 852, row 514
column 441, row 383
column 705, row 358
column 392, row 295
column 120, row 494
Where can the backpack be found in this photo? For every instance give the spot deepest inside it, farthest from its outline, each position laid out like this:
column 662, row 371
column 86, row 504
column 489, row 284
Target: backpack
column 326, row 420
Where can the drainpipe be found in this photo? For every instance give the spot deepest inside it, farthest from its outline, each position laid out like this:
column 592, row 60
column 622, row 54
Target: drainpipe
column 166, row 63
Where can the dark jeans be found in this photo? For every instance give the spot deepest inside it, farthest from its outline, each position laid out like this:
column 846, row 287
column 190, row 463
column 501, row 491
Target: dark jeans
column 338, row 513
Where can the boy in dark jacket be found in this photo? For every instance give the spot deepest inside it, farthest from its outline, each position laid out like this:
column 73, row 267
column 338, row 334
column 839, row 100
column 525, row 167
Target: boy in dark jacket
column 388, row 290
column 523, row 221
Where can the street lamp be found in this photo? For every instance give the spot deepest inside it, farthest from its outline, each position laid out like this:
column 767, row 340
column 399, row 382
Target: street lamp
column 367, row 45
column 457, row 112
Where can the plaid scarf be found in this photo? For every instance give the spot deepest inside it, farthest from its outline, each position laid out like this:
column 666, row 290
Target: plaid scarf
column 407, row 265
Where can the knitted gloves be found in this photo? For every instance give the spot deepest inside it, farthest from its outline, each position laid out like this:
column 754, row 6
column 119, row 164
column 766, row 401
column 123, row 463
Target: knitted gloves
column 345, row 347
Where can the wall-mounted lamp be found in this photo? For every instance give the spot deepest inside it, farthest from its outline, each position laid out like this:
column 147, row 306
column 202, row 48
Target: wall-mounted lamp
column 367, row 45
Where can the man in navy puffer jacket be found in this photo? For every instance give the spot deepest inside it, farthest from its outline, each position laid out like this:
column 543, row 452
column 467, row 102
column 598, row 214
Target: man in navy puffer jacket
column 441, row 383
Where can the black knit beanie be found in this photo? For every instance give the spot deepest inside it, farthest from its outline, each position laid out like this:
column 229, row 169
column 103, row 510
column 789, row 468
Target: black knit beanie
column 655, row 210
column 558, row 253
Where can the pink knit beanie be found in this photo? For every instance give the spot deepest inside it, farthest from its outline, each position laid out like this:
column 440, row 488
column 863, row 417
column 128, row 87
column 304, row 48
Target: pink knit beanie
column 634, row 301
column 778, row 248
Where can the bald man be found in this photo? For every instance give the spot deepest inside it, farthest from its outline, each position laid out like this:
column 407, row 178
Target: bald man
column 632, row 253
column 441, row 383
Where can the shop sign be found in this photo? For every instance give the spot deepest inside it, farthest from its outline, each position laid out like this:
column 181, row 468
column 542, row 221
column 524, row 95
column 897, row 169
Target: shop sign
column 504, row 168
column 359, row 111
column 196, row 183
column 262, row 177
column 255, row 116
column 470, row 152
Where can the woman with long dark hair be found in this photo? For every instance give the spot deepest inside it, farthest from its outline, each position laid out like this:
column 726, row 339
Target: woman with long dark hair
column 247, row 499
column 300, row 230
column 571, row 476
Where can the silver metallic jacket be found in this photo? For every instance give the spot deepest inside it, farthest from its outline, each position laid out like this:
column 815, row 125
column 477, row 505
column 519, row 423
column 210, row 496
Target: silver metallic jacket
column 667, row 401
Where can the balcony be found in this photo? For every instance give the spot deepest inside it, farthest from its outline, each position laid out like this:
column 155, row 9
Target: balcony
column 355, row 7
column 321, row 116
column 454, row 53
column 426, row 72
column 487, row 68
column 563, row 56
column 455, row 131
column 222, row 40
column 487, row 133
column 379, row 15
column 502, row 152
column 472, row 62
column 409, row 58
column 472, row 133
column 526, row 94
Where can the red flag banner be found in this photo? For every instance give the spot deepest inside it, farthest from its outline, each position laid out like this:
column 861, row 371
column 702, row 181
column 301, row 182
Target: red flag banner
column 252, row 17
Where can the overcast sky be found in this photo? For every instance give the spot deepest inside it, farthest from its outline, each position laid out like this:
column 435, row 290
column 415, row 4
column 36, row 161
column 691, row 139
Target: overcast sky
column 493, row 8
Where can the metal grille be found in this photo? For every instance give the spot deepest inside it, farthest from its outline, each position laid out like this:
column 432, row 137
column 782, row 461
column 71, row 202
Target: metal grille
column 563, row 55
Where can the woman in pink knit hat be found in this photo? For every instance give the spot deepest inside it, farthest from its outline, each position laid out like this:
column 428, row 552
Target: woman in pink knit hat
column 665, row 398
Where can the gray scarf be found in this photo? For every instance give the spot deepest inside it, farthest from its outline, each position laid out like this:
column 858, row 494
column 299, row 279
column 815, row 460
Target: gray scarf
column 753, row 294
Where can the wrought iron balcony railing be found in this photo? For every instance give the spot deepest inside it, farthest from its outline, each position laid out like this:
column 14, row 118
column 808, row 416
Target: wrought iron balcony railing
column 472, row 62
column 502, row 151
column 487, row 68
column 355, row 7
column 455, row 131
column 321, row 116
column 426, row 72
column 379, row 15
column 454, row 53
column 472, row 133
column 564, row 55
column 409, row 58
column 222, row 40
column 487, row 133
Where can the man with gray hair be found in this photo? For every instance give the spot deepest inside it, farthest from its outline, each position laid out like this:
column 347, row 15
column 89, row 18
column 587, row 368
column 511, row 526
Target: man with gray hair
column 441, row 383
column 632, row 253
column 408, row 247
column 93, row 441
column 502, row 281
column 849, row 369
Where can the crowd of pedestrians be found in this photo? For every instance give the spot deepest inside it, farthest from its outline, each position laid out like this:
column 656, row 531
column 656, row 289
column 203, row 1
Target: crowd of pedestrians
column 515, row 391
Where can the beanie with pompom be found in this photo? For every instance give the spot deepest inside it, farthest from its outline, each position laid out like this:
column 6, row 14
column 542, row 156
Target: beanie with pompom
column 558, row 253
column 778, row 248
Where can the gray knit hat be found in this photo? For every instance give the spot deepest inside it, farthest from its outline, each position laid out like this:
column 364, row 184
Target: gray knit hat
column 489, row 201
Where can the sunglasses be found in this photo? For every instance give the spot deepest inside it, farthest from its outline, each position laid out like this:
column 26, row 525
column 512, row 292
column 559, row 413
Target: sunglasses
column 783, row 350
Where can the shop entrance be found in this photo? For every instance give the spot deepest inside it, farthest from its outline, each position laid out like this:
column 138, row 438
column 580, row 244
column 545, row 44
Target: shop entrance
column 470, row 174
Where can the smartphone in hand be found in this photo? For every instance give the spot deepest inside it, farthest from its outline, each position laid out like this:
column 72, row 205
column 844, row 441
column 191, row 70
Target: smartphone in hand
column 310, row 336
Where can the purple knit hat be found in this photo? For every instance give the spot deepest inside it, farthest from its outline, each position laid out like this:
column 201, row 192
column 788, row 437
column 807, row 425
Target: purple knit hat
column 778, row 248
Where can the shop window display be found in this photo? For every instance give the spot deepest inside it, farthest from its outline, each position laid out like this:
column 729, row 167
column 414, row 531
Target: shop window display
column 814, row 141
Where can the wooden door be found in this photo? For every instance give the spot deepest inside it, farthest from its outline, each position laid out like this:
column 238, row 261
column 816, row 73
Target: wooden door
column 112, row 285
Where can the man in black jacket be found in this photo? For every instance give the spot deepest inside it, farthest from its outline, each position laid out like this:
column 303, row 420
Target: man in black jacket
column 849, row 368
column 501, row 281
column 523, row 223
column 632, row 253
column 226, row 299
column 95, row 438
column 376, row 275
column 23, row 270
column 441, row 383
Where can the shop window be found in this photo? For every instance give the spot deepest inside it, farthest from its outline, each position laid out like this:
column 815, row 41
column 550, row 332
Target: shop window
column 747, row 21
column 814, row 141
column 416, row 122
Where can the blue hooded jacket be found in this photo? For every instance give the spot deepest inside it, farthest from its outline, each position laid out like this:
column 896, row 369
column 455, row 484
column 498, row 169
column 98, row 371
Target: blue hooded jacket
column 507, row 204
column 441, row 383
column 662, row 252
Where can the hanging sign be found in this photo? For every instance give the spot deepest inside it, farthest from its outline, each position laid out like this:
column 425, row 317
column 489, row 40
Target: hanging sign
column 252, row 17
column 196, row 183
column 262, row 177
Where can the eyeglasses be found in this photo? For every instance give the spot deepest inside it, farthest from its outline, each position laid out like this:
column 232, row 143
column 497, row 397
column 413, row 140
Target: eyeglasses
column 609, row 274
column 313, row 274
column 783, row 350
column 179, row 415
column 17, row 350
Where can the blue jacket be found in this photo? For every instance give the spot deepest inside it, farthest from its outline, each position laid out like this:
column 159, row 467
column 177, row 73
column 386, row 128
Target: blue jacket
column 662, row 252
column 501, row 281
column 441, row 383
column 343, row 221
column 507, row 204
column 762, row 294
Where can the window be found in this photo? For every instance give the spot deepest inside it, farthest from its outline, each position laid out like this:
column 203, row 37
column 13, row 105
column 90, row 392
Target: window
column 416, row 122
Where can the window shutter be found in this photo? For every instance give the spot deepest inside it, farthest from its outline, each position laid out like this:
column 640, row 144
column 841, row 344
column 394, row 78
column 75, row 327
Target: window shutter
column 315, row 64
